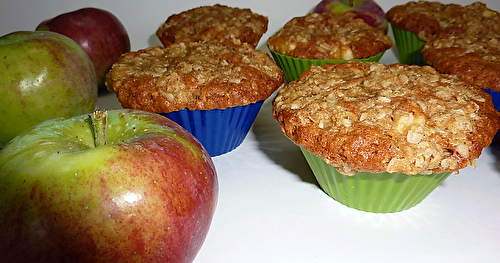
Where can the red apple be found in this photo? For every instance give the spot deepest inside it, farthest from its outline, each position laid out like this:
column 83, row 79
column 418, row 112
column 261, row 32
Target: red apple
column 97, row 31
column 112, row 186
column 367, row 10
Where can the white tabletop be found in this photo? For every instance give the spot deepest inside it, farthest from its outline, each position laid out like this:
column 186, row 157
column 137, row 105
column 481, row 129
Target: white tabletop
column 271, row 208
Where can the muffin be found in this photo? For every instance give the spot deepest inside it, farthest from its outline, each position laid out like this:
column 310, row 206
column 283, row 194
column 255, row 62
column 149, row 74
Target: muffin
column 415, row 23
column 471, row 52
column 317, row 39
column 380, row 138
column 213, row 91
column 219, row 24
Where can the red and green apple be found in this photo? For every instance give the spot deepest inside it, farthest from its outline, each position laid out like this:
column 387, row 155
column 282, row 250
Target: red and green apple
column 99, row 32
column 368, row 10
column 109, row 186
column 43, row 75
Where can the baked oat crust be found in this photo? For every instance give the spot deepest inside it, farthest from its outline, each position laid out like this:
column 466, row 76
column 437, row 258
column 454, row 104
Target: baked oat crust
column 196, row 76
column 472, row 53
column 427, row 18
column 386, row 118
column 328, row 36
column 218, row 23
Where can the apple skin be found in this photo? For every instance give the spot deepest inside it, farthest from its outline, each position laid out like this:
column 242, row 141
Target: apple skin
column 97, row 31
column 368, row 10
column 133, row 188
column 43, row 75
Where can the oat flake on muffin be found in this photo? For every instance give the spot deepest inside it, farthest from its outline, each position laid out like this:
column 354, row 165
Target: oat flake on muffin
column 194, row 76
column 386, row 118
column 328, row 36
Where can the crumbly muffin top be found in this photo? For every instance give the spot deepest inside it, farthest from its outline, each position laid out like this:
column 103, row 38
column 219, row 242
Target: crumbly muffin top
column 386, row 118
column 471, row 52
column 218, row 23
column 427, row 18
column 328, row 36
column 196, row 76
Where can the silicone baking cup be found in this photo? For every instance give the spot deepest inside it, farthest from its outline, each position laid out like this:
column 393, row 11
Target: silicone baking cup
column 377, row 193
column 409, row 47
column 219, row 131
column 292, row 67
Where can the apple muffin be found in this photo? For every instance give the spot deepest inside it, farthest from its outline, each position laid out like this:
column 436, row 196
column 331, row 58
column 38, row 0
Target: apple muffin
column 213, row 91
column 317, row 39
column 387, row 118
column 472, row 52
column 218, row 23
column 426, row 18
column 373, row 133
column 416, row 23
column 328, row 36
column 194, row 76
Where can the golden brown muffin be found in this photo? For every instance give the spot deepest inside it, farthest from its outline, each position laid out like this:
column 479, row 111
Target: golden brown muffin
column 471, row 52
column 196, row 76
column 427, row 18
column 328, row 36
column 218, row 23
column 386, row 118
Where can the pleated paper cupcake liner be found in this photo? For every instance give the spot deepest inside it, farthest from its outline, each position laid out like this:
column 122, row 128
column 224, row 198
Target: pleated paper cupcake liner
column 377, row 193
column 292, row 67
column 219, row 131
column 409, row 47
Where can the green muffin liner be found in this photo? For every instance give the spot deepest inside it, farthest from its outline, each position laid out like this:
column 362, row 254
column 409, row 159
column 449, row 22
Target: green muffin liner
column 409, row 47
column 292, row 67
column 377, row 193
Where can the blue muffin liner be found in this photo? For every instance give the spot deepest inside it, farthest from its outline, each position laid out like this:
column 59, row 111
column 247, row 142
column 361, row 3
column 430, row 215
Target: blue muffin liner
column 495, row 95
column 219, row 131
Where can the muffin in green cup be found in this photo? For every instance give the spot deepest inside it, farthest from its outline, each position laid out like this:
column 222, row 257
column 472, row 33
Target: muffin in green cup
column 379, row 192
column 408, row 46
column 292, row 67
column 317, row 39
column 418, row 22
column 380, row 138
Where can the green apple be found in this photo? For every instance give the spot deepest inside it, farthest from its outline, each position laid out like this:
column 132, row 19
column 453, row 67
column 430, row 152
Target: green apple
column 43, row 75
column 110, row 186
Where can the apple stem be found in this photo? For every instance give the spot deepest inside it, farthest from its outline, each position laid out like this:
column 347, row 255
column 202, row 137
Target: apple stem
column 99, row 125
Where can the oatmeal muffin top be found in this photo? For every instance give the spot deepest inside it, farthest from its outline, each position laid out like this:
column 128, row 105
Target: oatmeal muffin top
column 218, row 23
column 328, row 36
column 196, row 76
column 386, row 118
column 471, row 52
column 427, row 18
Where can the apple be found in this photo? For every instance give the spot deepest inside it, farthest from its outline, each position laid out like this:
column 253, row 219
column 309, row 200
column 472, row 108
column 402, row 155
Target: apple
column 97, row 31
column 43, row 75
column 367, row 10
column 110, row 186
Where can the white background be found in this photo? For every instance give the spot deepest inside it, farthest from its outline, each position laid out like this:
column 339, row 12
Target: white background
column 270, row 207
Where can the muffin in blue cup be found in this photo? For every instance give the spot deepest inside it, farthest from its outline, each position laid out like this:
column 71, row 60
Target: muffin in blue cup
column 213, row 91
column 219, row 131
